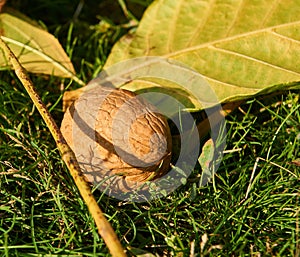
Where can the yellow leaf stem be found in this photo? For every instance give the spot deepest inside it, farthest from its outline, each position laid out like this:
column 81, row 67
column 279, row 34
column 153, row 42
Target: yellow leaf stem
column 104, row 227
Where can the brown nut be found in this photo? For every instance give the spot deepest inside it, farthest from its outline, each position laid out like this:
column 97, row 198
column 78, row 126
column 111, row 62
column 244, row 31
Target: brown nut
column 132, row 139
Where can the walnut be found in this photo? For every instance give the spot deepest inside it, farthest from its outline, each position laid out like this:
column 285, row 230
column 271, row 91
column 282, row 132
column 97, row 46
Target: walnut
column 133, row 139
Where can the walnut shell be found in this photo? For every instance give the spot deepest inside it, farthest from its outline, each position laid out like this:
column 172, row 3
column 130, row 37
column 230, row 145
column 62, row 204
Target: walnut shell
column 133, row 140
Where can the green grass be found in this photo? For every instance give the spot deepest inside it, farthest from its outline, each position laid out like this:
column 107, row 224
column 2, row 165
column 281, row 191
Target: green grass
column 250, row 209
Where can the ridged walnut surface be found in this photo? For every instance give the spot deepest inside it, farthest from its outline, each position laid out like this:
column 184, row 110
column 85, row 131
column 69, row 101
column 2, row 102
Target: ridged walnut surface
column 144, row 154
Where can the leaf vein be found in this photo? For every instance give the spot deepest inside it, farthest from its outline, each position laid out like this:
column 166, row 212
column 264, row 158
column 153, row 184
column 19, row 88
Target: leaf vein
column 270, row 12
column 254, row 59
column 200, row 25
column 20, row 32
column 173, row 27
column 238, row 9
column 235, row 37
column 45, row 57
column 285, row 37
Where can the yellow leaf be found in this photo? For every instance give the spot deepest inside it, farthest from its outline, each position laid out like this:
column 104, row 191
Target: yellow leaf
column 241, row 48
column 36, row 49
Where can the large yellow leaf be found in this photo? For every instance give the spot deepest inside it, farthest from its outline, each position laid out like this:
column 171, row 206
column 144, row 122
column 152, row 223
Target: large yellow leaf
column 241, row 48
column 37, row 50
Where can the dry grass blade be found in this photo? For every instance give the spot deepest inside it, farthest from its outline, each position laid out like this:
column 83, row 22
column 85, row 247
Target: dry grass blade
column 104, row 227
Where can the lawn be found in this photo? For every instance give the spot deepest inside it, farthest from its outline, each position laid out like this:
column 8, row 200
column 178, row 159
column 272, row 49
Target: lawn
column 250, row 208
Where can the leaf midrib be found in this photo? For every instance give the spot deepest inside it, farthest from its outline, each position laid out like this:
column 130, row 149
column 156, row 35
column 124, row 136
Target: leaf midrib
column 45, row 57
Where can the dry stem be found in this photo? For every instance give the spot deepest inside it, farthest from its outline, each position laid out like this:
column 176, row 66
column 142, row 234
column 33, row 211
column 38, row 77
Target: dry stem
column 104, row 227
